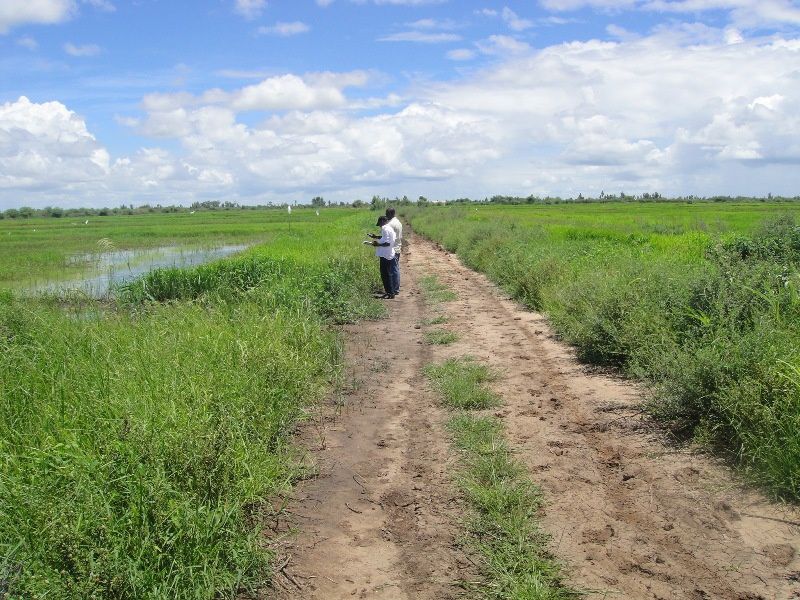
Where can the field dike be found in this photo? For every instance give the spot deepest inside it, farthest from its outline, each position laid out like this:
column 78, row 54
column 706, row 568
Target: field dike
column 628, row 514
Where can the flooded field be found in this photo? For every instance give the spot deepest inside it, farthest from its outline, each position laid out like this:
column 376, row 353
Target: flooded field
column 104, row 272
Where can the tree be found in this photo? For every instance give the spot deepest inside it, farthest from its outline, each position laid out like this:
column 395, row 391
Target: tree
column 318, row 201
column 377, row 203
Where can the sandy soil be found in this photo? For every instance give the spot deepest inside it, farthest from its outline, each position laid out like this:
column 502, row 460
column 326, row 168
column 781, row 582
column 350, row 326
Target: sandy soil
column 631, row 515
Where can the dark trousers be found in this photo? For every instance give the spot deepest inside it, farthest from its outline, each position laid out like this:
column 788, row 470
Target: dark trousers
column 387, row 276
column 396, row 273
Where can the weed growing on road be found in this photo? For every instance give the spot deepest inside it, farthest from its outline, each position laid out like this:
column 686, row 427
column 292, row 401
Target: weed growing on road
column 434, row 292
column 440, row 337
column 439, row 320
column 504, row 526
column 460, row 382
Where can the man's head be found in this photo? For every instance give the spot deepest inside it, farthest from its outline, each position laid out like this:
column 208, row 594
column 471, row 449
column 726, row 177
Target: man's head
column 382, row 221
column 390, row 213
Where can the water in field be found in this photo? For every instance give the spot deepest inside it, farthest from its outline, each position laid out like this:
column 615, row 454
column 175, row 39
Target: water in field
column 106, row 271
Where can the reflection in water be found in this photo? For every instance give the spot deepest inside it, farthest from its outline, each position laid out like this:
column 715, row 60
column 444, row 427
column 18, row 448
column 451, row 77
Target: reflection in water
column 108, row 270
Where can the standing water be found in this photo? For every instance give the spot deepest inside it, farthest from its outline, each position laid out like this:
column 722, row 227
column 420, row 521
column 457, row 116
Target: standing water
column 108, row 270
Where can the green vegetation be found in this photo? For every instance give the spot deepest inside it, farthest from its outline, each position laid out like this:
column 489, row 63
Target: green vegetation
column 437, row 320
column 440, row 337
column 503, row 527
column 699, row 300
column 38, row 249
column 138, row 440
column 434, row 292
column 459, row 382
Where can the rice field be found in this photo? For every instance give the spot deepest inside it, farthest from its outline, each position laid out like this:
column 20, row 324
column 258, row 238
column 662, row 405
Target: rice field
column 139, row 435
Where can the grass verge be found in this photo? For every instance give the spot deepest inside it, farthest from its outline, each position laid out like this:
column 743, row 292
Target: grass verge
column 503, row 526
column 137, row 440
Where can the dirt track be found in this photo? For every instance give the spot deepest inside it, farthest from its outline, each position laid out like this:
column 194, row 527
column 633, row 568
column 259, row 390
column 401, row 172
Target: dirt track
column 630, row 516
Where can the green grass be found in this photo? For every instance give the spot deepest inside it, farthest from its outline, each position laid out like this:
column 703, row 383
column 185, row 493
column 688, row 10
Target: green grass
column 503, row 524
column 437, row 320
column 434, row 292
column 440, row 337
column 138, row 439
column 459, row 382
column 37, row 250
column 700, row 301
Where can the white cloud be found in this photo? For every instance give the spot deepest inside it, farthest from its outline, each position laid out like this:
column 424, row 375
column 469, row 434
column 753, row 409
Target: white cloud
column 28, row 42
column 82, row 51
column 502, row 45
column 659, row 112
column 422, row 37
column 461, row 54
column 287, row 92
column 250, row 9
column 409, row 2
column 285, row 29
column 312, row 91
column 514, row 21
column 682, row 110
column 39, row 12
column 104, row 5
column 441, row 24
column 46, row 146
column 576, row 4
column 620, row 32
column 509, row 17
column 747, row 13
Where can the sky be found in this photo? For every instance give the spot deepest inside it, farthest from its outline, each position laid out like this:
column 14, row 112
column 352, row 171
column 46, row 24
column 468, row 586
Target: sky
column 110, row 102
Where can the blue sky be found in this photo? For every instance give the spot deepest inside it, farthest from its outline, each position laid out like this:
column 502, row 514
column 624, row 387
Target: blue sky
column 105, row 102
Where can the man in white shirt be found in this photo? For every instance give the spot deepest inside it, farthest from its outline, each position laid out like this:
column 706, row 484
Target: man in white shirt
column 384, row 250
column 397, row 227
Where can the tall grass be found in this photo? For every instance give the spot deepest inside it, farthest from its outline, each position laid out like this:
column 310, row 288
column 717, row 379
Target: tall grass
column 711, row 321
column 137, row 441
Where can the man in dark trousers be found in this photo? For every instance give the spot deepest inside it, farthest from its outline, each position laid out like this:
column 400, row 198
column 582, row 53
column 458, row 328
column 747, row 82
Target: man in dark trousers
column 384, row 250
column 397, row 227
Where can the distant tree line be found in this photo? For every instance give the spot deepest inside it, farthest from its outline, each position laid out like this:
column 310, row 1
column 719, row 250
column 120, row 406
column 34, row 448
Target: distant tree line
column 376, row 203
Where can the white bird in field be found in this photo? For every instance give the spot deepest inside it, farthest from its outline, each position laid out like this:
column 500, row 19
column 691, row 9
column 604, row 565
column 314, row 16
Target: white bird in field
column 191, row 212
column 289, row 209
column 317, row 213
column 86, row 222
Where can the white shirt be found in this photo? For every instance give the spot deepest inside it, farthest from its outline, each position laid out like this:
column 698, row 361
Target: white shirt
column 387, row 235
column 397, row 227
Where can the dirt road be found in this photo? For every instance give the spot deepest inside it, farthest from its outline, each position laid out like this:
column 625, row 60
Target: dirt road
column 631, row 516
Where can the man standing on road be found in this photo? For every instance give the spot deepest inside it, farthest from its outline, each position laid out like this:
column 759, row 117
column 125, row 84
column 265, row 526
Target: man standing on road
column 384, row 250
column 397, row 227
